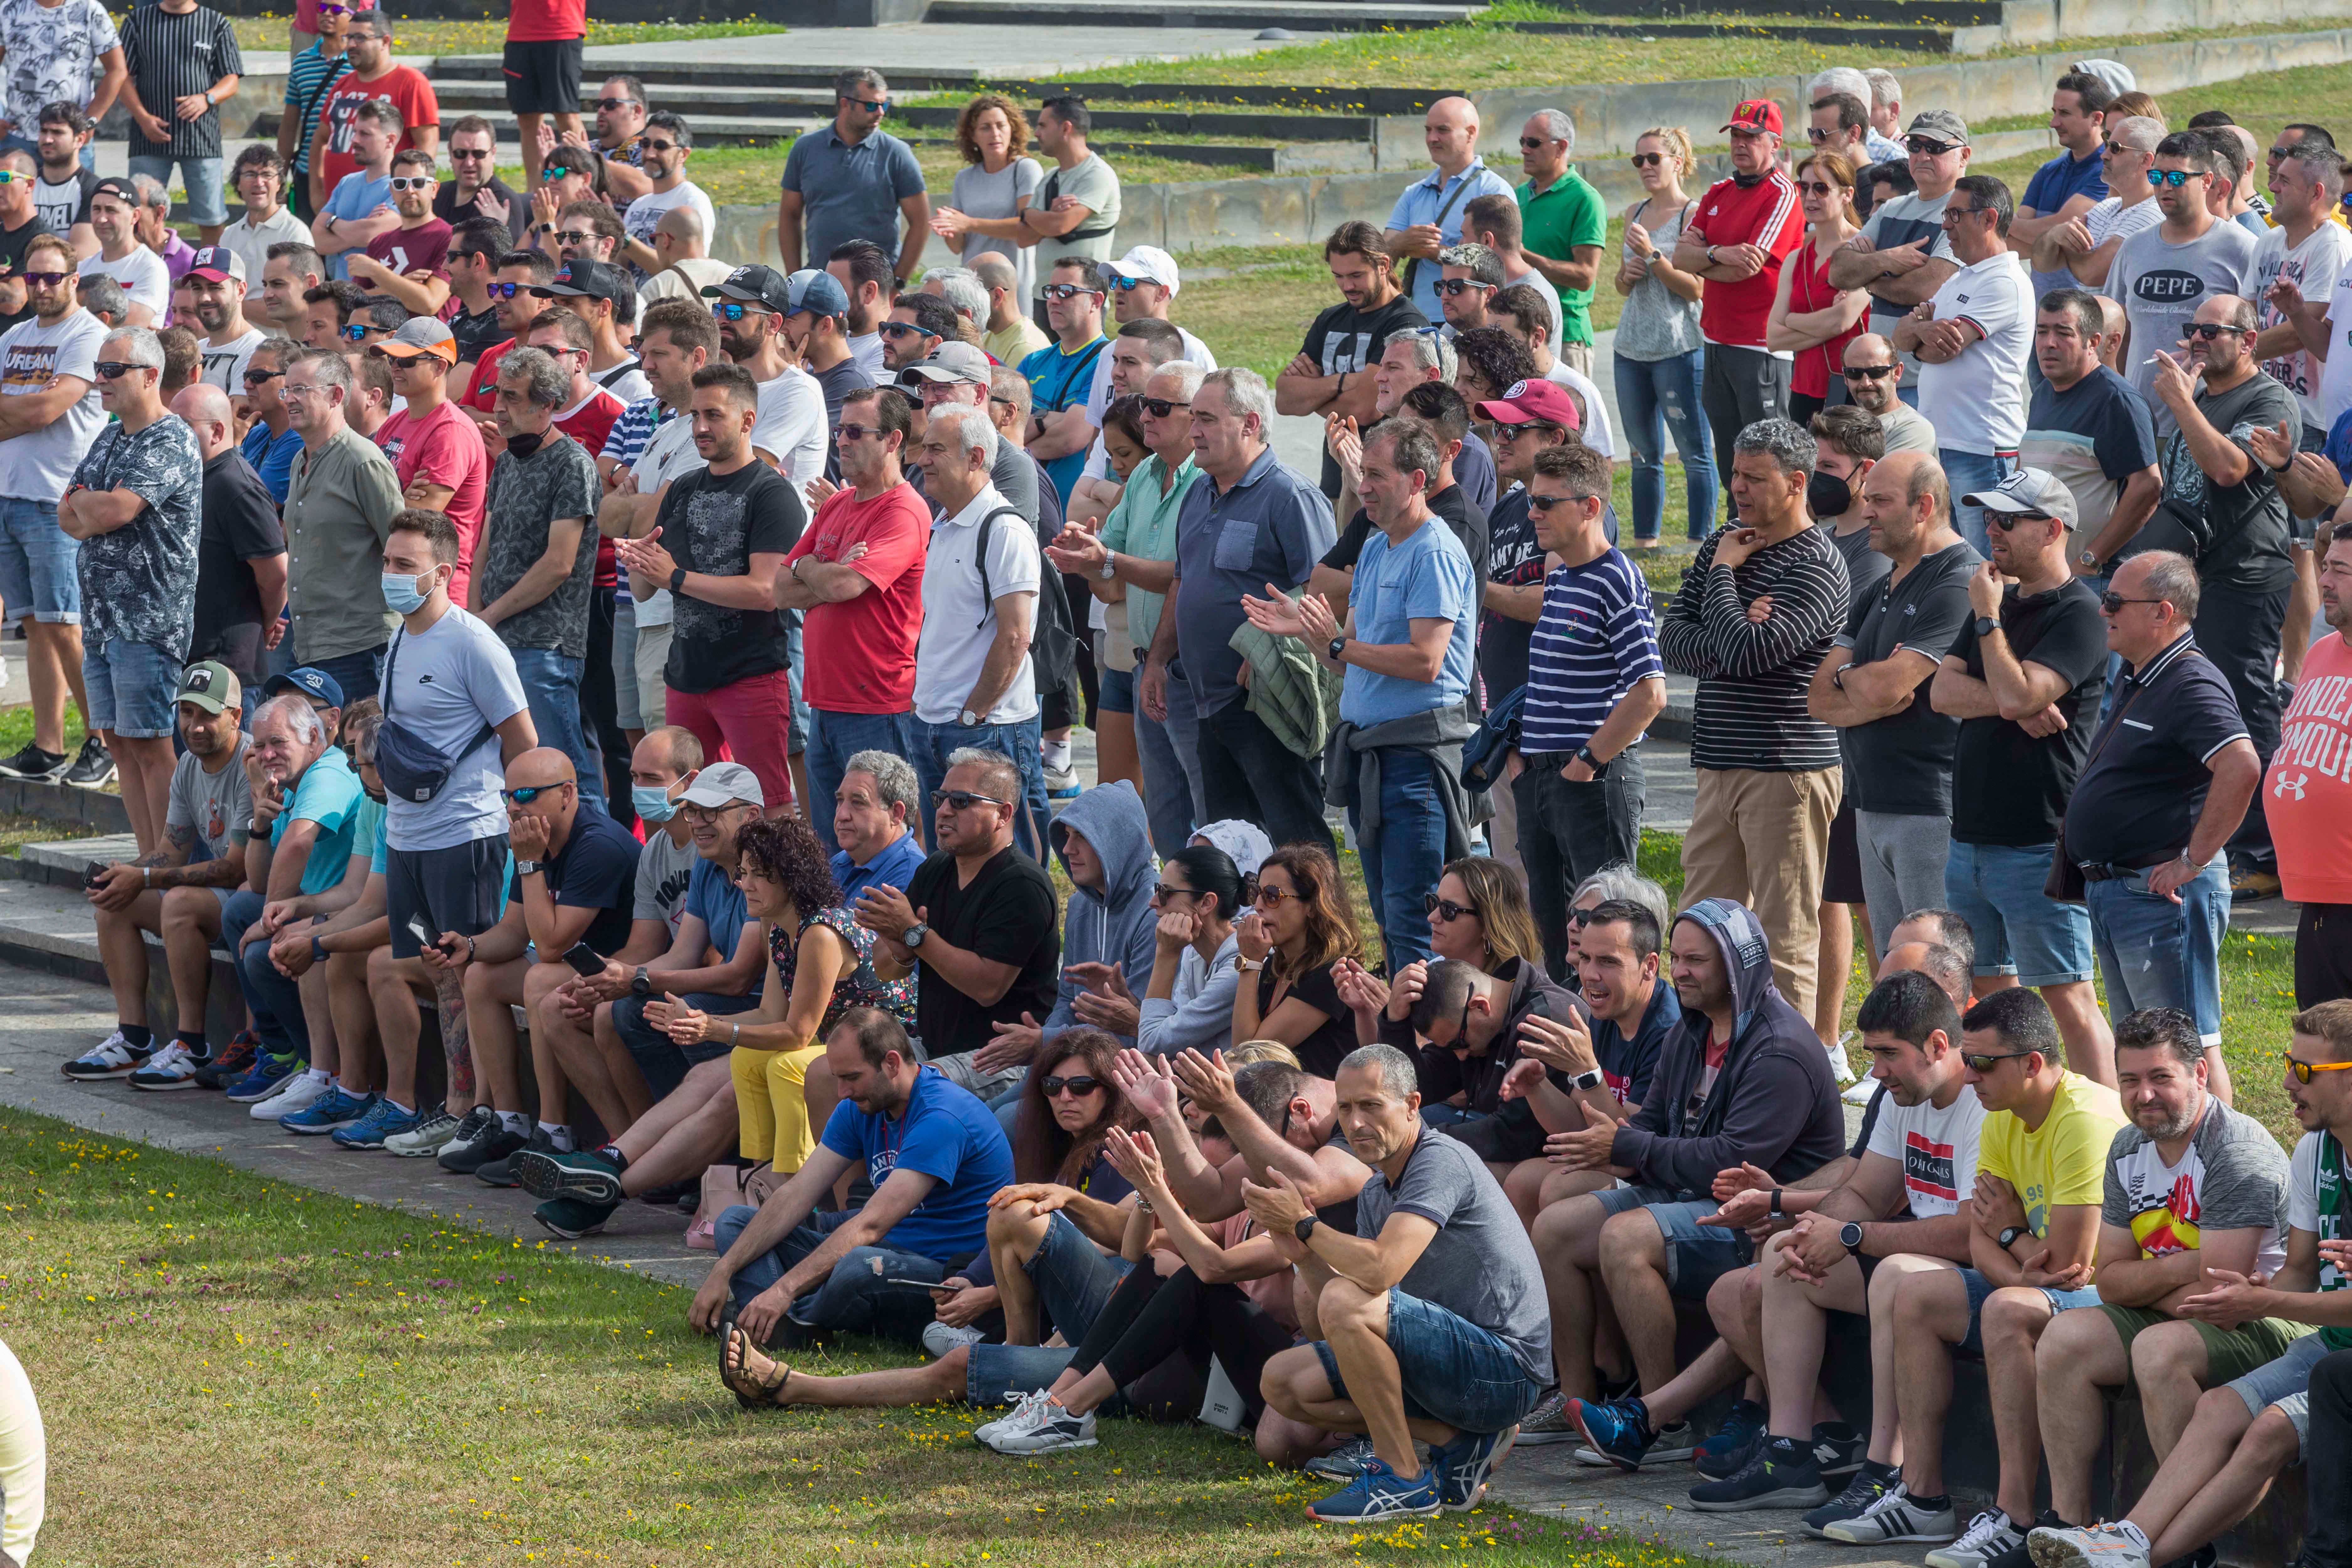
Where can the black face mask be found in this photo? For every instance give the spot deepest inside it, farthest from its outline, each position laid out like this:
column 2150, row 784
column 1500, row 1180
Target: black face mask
column 1826, row 495
column 522, row 446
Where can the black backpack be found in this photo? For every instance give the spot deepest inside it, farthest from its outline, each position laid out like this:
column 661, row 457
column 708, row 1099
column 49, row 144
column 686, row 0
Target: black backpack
column 1052, row 645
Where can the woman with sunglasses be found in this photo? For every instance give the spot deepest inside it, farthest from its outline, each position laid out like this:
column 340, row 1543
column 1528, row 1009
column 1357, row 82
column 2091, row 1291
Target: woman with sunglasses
column 983, row 216
column 1288, row 944
column 1659, row 358
column 1189, row 1001
column 1811, row 317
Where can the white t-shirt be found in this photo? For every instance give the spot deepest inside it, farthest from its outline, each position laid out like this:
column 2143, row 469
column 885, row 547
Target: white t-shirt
column 1597, row 433
column 143, row 276
column 2110, row 217
column 39, row 464
column 625, row 381
column 1937, row 1148
column 792, row 424
column 668, row 453
column 2314, row 266
column 1098, row 397
column 959, row 626
column 1976, row 402
column 866, row 349
column 225, row 366
column 451, row 679
column 1541, row 285
column 646, row 213
column 251, row 244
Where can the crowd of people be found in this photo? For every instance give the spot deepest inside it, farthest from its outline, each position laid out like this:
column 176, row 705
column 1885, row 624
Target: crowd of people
column 710, row 640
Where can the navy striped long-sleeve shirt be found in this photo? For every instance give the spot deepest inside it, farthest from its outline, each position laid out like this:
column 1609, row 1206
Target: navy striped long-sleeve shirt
column 1754, row 676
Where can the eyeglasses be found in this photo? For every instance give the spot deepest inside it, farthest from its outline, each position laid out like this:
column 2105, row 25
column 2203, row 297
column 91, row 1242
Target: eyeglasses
column 1077, row 1086
column 849, row 433
column 1163, row 892
column 1646, row 159
column 504, row 290
column 1445, row 909
column 1986, row 1063
column 45, row 279
column 261, row 377
column 1930, row 146
column 2113, row 603
column 529, row 792
column 413, row 182
column 574, row 235
column 1161, row 407
column 609, row 104
column 2208, row 331
column 2177, row 177
column 1527, row 427
column 964, row 799
column 298, row 391
column 467, row 154
column 1950, row 213
column 736, row 309
column 1816, row 187
column 115, row 369
column 2302, row 1070
column 1068, row 290
column 704, row 815
column 1868, row 372
column 651, row 146
column 1269, row 897
column 1460, row 285
column 876, row 105
column 902, row 329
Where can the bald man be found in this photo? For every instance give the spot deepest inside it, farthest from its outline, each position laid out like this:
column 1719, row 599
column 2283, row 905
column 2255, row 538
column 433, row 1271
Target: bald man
column 575, row 874
column 1428, row 216
column 241, row 551
column 682, row 247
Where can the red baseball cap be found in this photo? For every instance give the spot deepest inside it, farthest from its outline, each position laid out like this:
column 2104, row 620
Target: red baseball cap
column 1756, row 114
column 1533, row 402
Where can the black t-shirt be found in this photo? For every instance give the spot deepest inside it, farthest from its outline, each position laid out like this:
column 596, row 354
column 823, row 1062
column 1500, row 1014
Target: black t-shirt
column 12, row 261
column 2235, row 534
column 715, row 524
column 517, row 214
column 1902, row 764
column 1866, row 570
column 595, row 869
column 838, row 384
column 240, row 527
column 477, row 335
column 1344, row 339
column 2009, row 788
column 1320, row 1052
column 1005, row 916
column 1514, row 560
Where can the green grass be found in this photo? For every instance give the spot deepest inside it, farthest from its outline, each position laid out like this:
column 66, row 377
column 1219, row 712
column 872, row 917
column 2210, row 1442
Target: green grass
column 16, row 728
column 441, row 35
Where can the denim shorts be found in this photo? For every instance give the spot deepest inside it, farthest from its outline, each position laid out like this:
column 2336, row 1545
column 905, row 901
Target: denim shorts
column 132, row 686
column 39, row 565
column 1117, row 692
column 1980, row 1287
column 2285, row 1383
column 1696, row 1255
column 1453, row 1371
column 207, row 209
column 2019, row 930
column 1075, row 1278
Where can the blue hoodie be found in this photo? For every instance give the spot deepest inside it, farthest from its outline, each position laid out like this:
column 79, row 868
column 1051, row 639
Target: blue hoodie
column 1115, row 923
column 1773, row 1102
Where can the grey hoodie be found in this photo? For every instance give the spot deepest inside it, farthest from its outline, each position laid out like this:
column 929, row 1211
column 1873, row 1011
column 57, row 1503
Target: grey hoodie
column 1116, row 924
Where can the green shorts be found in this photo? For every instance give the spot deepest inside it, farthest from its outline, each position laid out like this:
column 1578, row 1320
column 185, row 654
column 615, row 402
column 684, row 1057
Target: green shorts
column 2229, row 1353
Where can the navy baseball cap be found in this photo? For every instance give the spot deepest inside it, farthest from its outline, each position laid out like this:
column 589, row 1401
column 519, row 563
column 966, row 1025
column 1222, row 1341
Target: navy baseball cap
column 315, row 684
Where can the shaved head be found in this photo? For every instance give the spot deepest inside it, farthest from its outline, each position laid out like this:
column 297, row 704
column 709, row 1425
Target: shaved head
column 540, row 766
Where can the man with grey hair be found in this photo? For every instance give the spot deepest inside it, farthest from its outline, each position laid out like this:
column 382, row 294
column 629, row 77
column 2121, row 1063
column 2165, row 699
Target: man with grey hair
column 1007, row 332
column 1880, row 143
column 961, row 288
column 103, row 298
column 339, row 512
column 2085, row 244
column 1563, row 227
column 135, row 503
column 874, row 808
column 1253, row 527
column 853, row 180
column 1841, row 124
column 1470, row 275
column 1885, row 107
column 1768, row 772
column 1432, row 1321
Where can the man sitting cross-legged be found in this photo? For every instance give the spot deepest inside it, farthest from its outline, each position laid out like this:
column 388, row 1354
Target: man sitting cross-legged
column 1742, row 1079
column 1428, row 1324
column 2246, row 1432
column 935, row 1156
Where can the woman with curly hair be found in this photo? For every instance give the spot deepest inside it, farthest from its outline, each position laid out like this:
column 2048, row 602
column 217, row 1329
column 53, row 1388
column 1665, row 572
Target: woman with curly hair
column 1300, row 927
column 983, row 214
column 820, row 966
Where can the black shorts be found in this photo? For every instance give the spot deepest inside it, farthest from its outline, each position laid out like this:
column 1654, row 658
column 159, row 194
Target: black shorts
column 1842, row 869
column 543, row 76
column 461, row 888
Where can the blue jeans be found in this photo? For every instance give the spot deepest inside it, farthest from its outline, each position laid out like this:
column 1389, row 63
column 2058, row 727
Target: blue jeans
column 130, row 687
column 1402, row 857
column 930, row 745
column 206, row 206
column 1074, row 1278
column 1452, row 1370
column 1170, row 754
column 1969, row 472
column 855, row 1296
column 358, row 674
column 551, row 684
column 2154, row 953
column 663, row 1062
column 833, row 740
column 1652, row 396
column 1980, row 1289
column 40, row 566
column 2019, row 930
column 276, row 1001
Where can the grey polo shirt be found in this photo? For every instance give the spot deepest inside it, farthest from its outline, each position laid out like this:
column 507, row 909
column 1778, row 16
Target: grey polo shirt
column 1272, row 527
column 850, row 190
column 338, row 510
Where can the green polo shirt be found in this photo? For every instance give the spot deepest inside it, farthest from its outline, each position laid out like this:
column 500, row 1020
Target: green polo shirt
column 1556, row 222
column 1143, row 524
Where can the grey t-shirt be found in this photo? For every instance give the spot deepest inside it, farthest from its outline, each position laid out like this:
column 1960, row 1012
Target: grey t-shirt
column 1092, row 184
column 2233, row 1177
column 443, row 685
column 1905, row 220
column 2160, row 285
column 1480, row 1265
column 664, row 870
column 217, row 806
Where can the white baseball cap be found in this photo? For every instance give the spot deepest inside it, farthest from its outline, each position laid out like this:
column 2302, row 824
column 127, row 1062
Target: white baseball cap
column 1148, row 261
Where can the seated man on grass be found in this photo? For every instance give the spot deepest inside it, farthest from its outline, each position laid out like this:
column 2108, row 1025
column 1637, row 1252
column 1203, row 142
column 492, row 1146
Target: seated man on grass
column 1429, row 1322
column 2245, row 1434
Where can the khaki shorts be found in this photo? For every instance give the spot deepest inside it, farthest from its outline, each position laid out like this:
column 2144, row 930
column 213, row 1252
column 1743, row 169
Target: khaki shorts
column 2229, row 1353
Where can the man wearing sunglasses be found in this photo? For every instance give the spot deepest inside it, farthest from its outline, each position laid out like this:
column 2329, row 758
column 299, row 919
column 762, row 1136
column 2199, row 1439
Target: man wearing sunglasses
column 512, row 296
column 853, row 180
column 474, row 189
column 1141, row 286
column 1061, row 375
column 374, row 77
column 2160, row 276
column 1564, row 226
column 2084, row 247
column 668, row 144
column 19, row 222
column 410, row 262
column 622, row 122
column 1874, row 379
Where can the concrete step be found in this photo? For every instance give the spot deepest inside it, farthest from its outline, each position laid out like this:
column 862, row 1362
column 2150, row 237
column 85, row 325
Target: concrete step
column 1926, row 40
column 1898, row 13
column 1185, row 122
column 750, row 101
column 721, row 73
column 1298, row 16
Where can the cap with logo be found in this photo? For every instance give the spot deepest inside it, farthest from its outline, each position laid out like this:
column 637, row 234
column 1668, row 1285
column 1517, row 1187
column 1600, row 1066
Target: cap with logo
column 756, row 286
column 2029, row 492
column 420, row 335
column 1145, row 261
column 816, row 291
column 1940, row 125
column 1533, row 402
column 211, row 686
column 1754, row 114
column 311, row 681
column 584, row 278
column 218, row 264
column 951, row 362
column 725, row 784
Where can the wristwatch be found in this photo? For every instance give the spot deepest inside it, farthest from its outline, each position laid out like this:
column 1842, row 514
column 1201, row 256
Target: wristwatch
column 1249, row 966
column 678, row 579
column 1985, row 626
column 2089, row 558
column 525, row 867
column 1589, row 1078
column 1850, row 1234
column 1333, row 646
column 641, row 983
column 1584, row 754
column 2009, row 1237
column 914, row 935
column 318, row 950
column 1305, row 1227
column 967, row 718
column 1109, row 567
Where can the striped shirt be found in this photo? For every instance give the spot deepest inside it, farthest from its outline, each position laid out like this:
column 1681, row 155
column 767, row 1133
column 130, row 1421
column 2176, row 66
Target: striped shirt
column 171, row 57
column 1596, row 638
column 1753, row 679
column 308, row 78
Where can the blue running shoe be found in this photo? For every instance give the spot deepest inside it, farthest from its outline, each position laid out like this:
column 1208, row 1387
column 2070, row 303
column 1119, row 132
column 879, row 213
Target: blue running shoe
column 1463, row 1466
column 331, row 1112
column 1781, row 1475
column 1733, row 1444
column 1378, row 1493
column 1618, row 1429
column 572, row 1219
column 383, row 1120
column 267, row 1072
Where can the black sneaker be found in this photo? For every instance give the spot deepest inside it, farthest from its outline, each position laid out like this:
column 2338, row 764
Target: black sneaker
column 32, row 763
column 494, row 1144
column 1781, row 1475
column 674, row 1193
column 497, row 1174
column 1838, row 1450
column 93, row 768
column 1866, row 1487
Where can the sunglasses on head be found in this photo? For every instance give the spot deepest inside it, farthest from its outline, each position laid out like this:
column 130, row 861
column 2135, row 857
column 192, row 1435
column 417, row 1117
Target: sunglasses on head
column 2177, row 177
column 2209, row 331
column 1445, row 909
column 736, row 309
column 413, row 182
column 1987, row 1062
column 1077, row 1086
column 1868, row 372
column 529, row 792
column 1460, row 285
column 115, row 369
column 2302, row 1070
column 45, row 279
column 1067, row 291
column 1646, row 159
column 964, row 799
column 1161, row 407
column 901, row 330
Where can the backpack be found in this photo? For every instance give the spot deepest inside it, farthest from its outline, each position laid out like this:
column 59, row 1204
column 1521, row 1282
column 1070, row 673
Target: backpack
column 1052, row 645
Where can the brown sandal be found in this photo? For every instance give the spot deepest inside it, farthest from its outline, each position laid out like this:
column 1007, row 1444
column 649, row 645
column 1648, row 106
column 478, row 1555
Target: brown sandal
column 764, row 1392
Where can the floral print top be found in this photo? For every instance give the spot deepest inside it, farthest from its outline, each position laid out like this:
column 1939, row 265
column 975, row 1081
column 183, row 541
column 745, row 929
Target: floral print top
column 861, row 987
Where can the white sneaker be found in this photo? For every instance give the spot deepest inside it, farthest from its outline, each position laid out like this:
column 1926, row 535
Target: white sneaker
column 113, row 1056
column 1988, row 1535
column 939, row 1338
column 986, row 1430
column 1041, row 1426
column 1895, row 1517
column 300, row 1092
column 1841, row 1064
column 2097, row 1546
column 426, row 1139
column 173, row 1067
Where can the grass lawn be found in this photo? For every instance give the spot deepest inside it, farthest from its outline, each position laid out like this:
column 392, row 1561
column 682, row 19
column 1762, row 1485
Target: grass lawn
column 441, row 35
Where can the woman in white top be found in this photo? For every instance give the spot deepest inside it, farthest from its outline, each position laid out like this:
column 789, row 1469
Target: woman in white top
column 982, row 214
column 1659, row 360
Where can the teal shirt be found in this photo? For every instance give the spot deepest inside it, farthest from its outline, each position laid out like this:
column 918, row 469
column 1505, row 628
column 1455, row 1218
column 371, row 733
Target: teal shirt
column 1143, row 524
column 330, row 795
column 1556, row 220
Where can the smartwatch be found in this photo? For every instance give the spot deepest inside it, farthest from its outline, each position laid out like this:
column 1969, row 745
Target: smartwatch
column 1584, row 754
column 1850, row 1234
column 2009, row 1238
column 1985, row 626
column 1776, row 1203
column 1305, row 1227
column 318, row 950
column 914, row 934
column 1589, row 1078
column 677, row 580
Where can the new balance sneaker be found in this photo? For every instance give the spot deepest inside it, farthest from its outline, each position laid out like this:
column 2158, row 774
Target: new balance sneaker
column 1343, row 1461
column 544, row 1173
column 1550, row 1423
column 1781, row 1475
column 330, row 1113
column 228, row 1064
column 173, row 1067
column 92, row 767
column 1839, row 1449
column 113, row 1056
column 940, row 1339
column 433, row 1129
column 1897, row 1516
column 263, row 1079
column 1987, row 1536
column 1463, row 1466
column 382, row 1122
column 1869, row 1484
column 570, row 1220
column 1620, row 1433
column 1041, row 1426
column 295, row 1093
column 1378, row 1493
column 1729, row 1447
column 475, row 1127
column 32, row 763
column 2118, row 1545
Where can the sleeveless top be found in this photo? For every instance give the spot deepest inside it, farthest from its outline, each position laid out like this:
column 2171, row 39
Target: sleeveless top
column 1809, row 289
column 1657, row 322
column 859, row 987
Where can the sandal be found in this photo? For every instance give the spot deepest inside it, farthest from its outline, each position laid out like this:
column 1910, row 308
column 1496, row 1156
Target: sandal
column 765, row 1392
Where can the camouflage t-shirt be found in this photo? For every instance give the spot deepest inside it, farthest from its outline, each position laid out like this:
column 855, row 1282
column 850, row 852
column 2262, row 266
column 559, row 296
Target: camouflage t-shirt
column 139, row 581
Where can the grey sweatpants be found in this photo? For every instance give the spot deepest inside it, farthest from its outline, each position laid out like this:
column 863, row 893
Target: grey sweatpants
column 1902, row 866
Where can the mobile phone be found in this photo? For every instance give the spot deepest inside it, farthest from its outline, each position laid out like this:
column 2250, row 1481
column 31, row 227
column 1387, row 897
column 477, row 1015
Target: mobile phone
column 584, row 960
column 424, row 937
column 934, row 1286
column 94, row 873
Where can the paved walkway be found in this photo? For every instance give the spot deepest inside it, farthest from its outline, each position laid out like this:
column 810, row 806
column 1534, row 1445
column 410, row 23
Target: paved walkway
column 988, row 50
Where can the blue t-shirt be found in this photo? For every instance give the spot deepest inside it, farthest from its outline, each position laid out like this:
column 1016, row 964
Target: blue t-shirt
column 273, row 457
column 1595, row 638
column 2064, row 178
column 1427, row 577
column 1058, row 381
column 328, row 794
column 712, row 896
column 1626, row 1065
column 894, row 866
column 947, row 1135
column 2339, row 444
column 354, row 195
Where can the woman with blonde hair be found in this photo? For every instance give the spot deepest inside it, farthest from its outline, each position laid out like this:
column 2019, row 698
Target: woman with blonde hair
column 983, row 216
column 1659, row 358
column 1811, row 318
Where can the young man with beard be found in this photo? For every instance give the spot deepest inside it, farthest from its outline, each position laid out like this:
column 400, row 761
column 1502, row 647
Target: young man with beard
column 374, row 77
column 863, row 271
column 668, row 144
column 1332, row 375
column 475, row 247
column 817, row 329
column 599, row 294
column 2163, row 275
column 61, row 193
column 309, row 75
column 409, row 263
column 217, row 279
column 358, row 207
column 791, row 434
column 2087, row 428
column 435, row 454
column 519, row 272
column 19, row 222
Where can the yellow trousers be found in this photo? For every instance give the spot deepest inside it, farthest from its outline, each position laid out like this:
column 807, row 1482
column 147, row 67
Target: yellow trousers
column 771, row 1105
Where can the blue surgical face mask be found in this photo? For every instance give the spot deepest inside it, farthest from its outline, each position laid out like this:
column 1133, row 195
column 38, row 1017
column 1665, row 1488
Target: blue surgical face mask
column 653, row 802
column 400, row 593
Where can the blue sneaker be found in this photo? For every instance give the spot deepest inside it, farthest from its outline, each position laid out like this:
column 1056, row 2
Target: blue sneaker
column 1618, row 1429
column 1378, row 1493
column 1463, row 1466
column 383, row 1120
column 267, row 1072
column 1733, row 1444
column 1781, row 1475
column 331, row 1112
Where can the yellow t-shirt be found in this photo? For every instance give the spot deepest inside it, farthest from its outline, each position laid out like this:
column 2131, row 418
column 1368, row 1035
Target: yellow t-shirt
column 2064, row 1160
